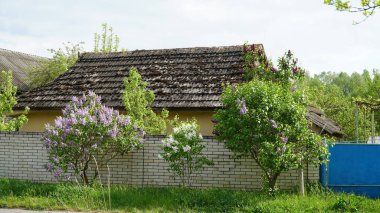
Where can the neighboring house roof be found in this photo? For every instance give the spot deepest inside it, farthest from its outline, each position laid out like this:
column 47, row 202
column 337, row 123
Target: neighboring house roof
column 18, row 63
column 318, row 118
column 184, row 78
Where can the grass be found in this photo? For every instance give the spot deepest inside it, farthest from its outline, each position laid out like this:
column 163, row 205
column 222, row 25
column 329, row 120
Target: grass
column 37, row 196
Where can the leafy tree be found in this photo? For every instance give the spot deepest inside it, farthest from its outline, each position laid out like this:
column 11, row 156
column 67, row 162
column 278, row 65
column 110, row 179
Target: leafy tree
column 336, row 105
column 366, row 7
column 183, row 151
column 88, row 133
column 264, row 120
column 334, row 94
column 7, row 101
column 50, row 69
column 66, row 57
column 107, row 41
column 137, row 100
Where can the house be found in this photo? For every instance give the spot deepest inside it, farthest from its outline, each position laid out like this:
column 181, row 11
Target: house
column 18, row 63
column 186, row 81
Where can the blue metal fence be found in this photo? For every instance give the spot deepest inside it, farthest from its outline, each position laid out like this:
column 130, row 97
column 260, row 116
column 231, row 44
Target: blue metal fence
column 353, row 168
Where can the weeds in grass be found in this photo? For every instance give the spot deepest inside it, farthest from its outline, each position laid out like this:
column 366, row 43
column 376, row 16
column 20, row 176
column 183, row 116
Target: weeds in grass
column 24, row 194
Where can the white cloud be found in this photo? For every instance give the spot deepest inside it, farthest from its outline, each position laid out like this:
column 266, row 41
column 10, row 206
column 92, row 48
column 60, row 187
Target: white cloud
column 323, row 39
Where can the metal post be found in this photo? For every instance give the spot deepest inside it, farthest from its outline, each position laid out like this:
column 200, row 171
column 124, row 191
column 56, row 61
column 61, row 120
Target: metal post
column 373, row 125
column 326, row 164
column 357, row 123
column 365, row 125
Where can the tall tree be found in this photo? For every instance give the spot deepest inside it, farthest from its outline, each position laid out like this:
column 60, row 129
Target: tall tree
column 7, row 101
column 137, row 100
column 265, row 118
column 48, row 70
column 66, row 57
column 106, row 41
column 334, row 94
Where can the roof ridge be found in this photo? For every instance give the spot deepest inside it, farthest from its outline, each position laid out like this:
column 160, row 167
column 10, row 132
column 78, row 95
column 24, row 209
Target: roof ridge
column 22, row 53
column 169, row 49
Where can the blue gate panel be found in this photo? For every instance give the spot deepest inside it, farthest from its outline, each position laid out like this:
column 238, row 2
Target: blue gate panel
column 353, row 168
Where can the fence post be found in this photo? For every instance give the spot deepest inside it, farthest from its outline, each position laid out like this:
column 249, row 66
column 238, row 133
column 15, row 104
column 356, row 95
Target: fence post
column 302, row 183
column 357, row 122
column 373, row 126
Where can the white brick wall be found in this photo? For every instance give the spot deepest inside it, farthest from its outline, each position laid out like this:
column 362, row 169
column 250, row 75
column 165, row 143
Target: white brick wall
column 22, row 156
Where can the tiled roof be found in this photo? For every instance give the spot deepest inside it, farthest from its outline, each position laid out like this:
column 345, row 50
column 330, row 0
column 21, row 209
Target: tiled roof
column 180, row 78
column 18, row 63
column 317, row 117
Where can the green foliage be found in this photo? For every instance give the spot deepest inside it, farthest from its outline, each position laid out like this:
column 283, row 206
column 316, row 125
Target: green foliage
column 137, row 100
column 50, row 69
column 339, row 4
column 183, row 151
column 334, row 94
column 72, row 197
column 366, row 7
column 106, row 41
column 266, row 121
column 66, row 57
column 7, row 101
column 266, row 118
column 257, row 66
column 347, row 204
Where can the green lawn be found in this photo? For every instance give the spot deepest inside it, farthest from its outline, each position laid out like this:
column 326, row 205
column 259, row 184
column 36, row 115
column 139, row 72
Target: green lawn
column 22, row 194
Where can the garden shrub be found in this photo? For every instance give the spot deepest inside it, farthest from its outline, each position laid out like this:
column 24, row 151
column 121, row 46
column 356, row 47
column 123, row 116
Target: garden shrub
column 88, row 133
column 183, row 151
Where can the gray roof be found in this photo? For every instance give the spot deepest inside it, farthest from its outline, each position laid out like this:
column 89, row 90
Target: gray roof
column 18, row 63
column 318, row 118
column 180, row 78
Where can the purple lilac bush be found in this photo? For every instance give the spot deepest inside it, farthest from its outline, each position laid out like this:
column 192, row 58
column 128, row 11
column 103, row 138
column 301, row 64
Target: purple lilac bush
column 88, row 134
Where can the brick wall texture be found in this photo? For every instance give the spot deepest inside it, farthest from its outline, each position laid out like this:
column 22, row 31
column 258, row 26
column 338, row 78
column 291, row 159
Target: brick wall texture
column 22, row 156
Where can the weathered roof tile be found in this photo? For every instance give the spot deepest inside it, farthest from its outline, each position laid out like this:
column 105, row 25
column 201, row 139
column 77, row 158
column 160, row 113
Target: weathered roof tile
column 180, row 78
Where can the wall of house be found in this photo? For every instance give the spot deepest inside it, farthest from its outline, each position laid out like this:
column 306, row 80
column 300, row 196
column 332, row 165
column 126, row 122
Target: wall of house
column 22, row 156
column 38, row 119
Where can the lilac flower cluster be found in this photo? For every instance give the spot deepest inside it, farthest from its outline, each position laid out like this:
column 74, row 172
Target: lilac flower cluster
column 87, row 127
column 242, row 105
column 273, row 123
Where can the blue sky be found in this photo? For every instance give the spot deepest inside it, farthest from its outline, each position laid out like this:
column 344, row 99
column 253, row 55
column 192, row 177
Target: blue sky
column 322, row 38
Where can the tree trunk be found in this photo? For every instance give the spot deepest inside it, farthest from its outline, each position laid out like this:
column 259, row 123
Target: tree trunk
column 84, row 177
column 84, row 174
column 272, row 179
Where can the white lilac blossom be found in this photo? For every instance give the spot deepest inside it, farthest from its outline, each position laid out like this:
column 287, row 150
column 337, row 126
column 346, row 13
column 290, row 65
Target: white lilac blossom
column 175, row 149
column 182, row 150
column 186, row 148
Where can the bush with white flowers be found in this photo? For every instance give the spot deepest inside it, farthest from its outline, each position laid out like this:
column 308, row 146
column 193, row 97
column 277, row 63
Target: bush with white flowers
column 183, row 151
